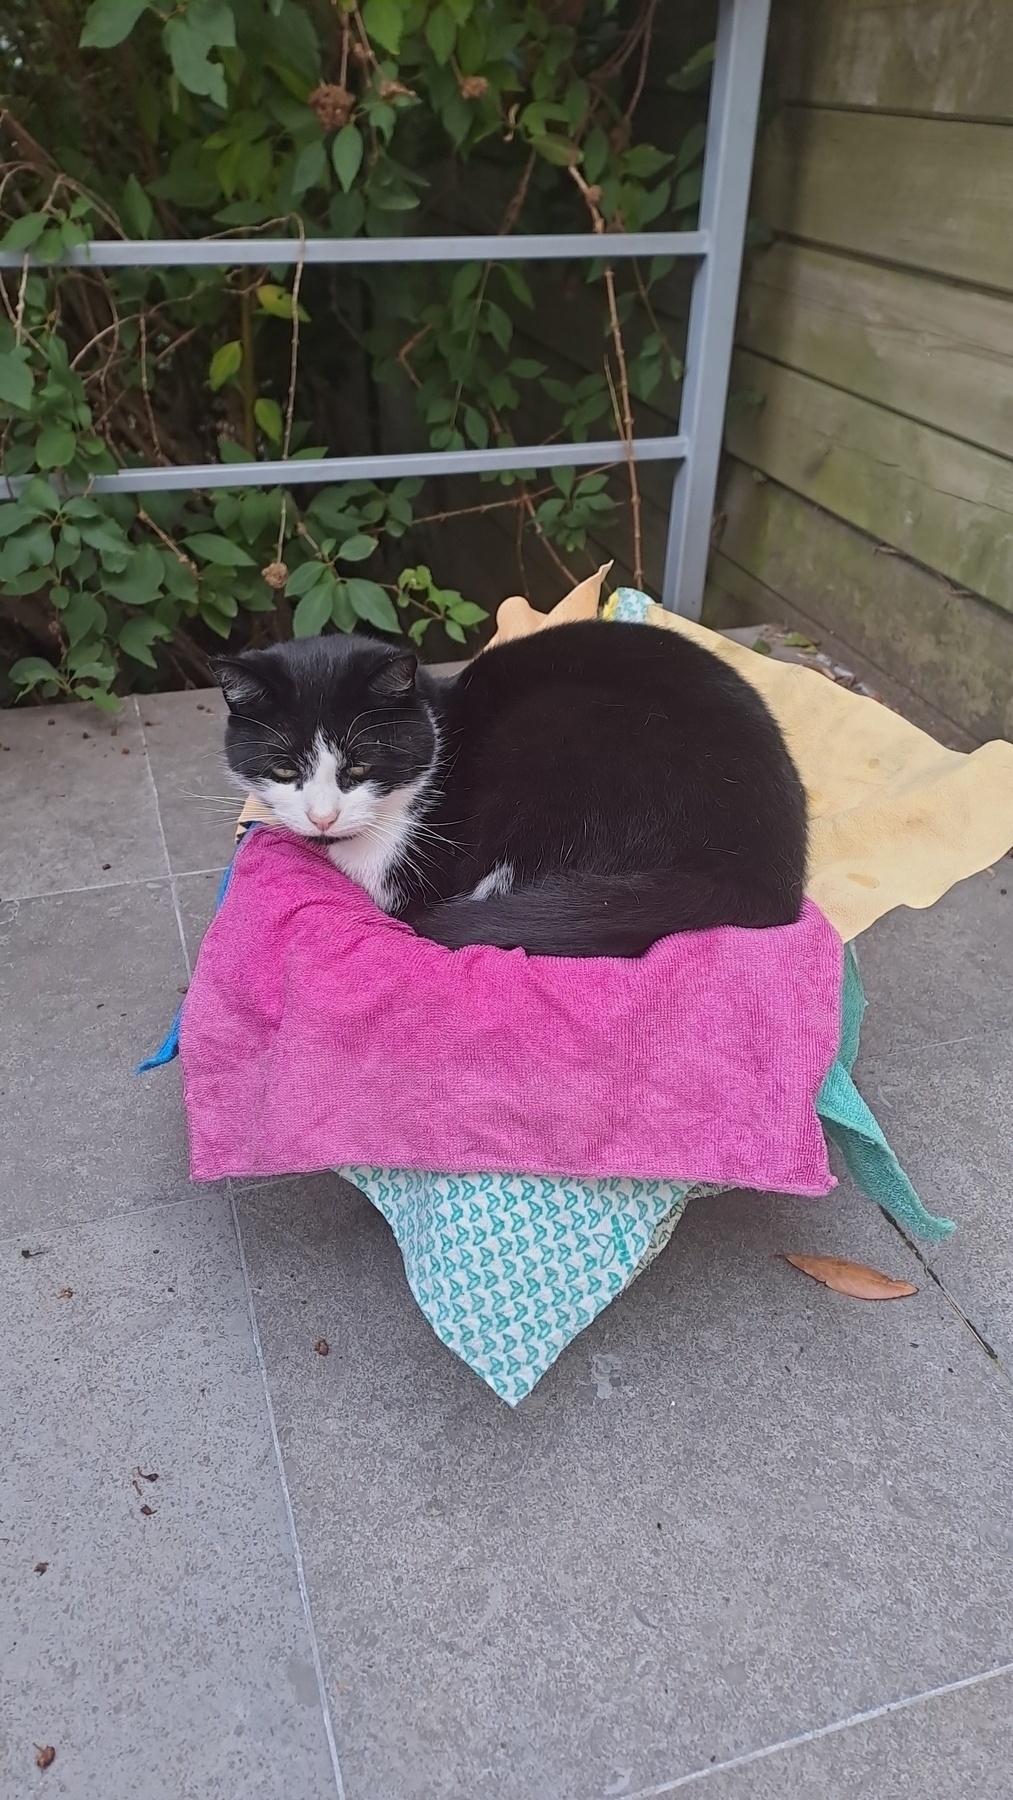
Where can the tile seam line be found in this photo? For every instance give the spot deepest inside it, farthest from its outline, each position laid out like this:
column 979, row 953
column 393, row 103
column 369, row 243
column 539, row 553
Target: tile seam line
column 819, row 1732
column 296, row 1548
column 300, row 1567
column 162, row 839
column 130, row 1208
column 106, row 887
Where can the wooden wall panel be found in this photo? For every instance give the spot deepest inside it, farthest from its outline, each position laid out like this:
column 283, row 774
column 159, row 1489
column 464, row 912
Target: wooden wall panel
column 927, row 348
column 931, row 194
column 905, row 56
column 947, row 504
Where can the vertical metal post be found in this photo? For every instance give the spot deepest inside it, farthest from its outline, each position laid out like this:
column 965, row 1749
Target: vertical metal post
column 728, row 162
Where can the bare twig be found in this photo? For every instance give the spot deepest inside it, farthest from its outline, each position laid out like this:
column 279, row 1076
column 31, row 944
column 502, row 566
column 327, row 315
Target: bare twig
column 624, row 411
column 146, row 391
column 406, row 350
column 518, row 197
column 646, row 29
column 293, row 371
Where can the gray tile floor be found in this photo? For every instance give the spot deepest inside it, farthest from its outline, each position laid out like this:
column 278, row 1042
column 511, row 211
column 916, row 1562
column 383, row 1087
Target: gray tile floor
column 769, row 1555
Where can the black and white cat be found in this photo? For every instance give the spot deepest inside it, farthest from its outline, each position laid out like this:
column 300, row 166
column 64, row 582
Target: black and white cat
column 583, row 791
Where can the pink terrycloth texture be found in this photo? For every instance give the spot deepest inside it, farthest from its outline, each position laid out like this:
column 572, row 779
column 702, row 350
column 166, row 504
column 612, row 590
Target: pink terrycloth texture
column 319, row 1032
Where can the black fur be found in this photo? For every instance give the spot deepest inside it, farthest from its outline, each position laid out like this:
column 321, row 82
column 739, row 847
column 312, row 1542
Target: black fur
column 635, row 784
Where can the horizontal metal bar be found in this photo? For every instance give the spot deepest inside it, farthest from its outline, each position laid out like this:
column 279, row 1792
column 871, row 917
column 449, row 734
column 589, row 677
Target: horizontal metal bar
column 226, row 253
column 294, row 470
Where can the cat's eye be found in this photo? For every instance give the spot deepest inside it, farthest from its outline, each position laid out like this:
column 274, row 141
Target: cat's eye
column 357, row 772
column 284, row 772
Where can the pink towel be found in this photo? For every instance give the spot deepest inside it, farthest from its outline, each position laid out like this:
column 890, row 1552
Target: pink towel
column 319, row 1032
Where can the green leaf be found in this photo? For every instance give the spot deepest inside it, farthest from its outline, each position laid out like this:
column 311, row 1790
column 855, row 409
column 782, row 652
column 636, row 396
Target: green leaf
column 372, row 604
column 141, row 582
column 644, row 160
column 31, row 670
column 693, row 73
column 16, row 378
column 465, row 282
column 268, row 416
column 25, row 231
column 55, row 447
column 136, row 208
column 108, row 22
column 107, row 703
column 466, row 612
column 83, row 617
column 557, row 150
column 346, row 154
column 137, row 637
column 357, row 548
column 441, row 34
column 226, row 362
column 313, row 611
column 499, row 324
column 526, row 369
column 310, row 168
column 278, row 302
column 188, row 50
column 218, row 550
column 453, row 630
column 13, row 516
column 304, row 577
column 231, row 452
column 384, row 21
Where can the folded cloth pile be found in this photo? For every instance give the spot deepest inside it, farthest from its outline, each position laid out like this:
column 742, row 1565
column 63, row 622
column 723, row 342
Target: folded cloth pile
column 532, row 1128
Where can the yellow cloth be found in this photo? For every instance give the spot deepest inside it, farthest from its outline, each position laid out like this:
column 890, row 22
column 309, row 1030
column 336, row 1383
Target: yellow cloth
column 895, row 819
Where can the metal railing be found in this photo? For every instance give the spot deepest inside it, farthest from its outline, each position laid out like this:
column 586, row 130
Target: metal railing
column 716, row 249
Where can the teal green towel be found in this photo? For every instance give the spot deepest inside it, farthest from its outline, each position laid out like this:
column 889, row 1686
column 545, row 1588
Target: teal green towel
column 850, row 1125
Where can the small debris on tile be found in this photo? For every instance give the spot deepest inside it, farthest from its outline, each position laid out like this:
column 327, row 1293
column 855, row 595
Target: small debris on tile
column 146, row 1474
column 65, row 1294
column 107, row 865
column 322, row 1347
column 40, row 1568
column 148, row 1511
column 124, row 752
column 45, row 1753
column 40, row 1252
column 86, row 734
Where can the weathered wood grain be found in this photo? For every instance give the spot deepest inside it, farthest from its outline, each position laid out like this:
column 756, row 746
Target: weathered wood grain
column 922, row 346
column 955, row 650
column 927, row 56
column 945, row 503
column 932, row 194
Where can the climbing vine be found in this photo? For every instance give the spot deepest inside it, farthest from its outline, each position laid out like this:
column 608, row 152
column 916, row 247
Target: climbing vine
column 301, row 118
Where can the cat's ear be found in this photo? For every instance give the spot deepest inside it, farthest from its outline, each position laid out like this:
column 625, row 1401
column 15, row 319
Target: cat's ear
column 239, row 681
column 395, row 679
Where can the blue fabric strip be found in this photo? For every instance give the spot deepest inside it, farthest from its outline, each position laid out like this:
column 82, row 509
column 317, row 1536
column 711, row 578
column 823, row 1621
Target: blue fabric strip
column 169, row 1048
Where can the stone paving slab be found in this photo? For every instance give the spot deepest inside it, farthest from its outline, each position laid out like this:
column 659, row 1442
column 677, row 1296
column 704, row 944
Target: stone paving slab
column 738, row 1508
column 956, row 1746
column 162, row 1654
column 88, row 984
column 740, row 1512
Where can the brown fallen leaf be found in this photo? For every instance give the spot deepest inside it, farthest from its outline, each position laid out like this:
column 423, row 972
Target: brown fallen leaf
column 40, row 1568
column 45, row 1755
column 322, row 1347
column 856, row 1279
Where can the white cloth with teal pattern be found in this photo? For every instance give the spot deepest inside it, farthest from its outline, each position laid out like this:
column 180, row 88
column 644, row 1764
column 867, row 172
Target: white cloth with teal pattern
column 509, row 1268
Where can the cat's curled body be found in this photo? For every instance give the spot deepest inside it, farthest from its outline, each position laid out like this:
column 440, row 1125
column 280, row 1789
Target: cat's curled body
column 583, row 791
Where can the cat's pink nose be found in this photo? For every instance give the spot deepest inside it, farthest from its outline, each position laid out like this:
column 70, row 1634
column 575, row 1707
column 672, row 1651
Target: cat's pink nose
column 322, row 821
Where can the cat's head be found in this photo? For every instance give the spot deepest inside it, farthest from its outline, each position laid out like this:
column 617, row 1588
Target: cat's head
column 330, row 732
